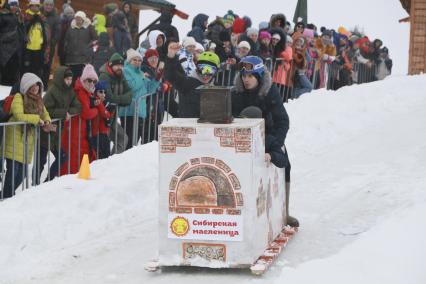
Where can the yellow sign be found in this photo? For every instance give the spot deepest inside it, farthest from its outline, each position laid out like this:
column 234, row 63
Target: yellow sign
column 180, row 226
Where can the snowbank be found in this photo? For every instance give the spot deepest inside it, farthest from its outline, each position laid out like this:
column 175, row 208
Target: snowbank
column 358, row 190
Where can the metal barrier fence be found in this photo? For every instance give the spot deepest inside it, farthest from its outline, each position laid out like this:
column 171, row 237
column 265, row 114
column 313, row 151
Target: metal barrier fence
column 130, row 126
column 291, row 84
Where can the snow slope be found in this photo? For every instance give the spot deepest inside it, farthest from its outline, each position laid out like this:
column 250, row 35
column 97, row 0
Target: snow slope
column 357, row 188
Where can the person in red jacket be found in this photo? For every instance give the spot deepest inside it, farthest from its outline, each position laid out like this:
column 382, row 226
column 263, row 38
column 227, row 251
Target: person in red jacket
column 78, row 144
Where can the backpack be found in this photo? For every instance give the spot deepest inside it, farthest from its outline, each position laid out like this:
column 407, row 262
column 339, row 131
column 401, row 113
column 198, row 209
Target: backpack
column 5, row 106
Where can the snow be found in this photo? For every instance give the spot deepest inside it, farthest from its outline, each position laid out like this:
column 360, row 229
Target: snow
column 357, row 185
column 357, row 188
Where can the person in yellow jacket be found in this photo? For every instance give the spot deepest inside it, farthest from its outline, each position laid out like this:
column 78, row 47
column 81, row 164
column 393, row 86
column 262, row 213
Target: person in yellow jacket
column 28, row 107
column 37, row 37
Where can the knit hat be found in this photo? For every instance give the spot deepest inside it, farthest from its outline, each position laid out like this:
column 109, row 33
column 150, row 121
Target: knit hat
column 28, row 80
column 68, row 73
column 34, row 2
column 248, row 21
column 265, row 34
column 115, row 59
column 188, row 41
column 14, row 2
column 251, row 112
column 68, row 10
column 131, row 53
column 244, row 44
column 80, row 14
column 239, row 26
column 309, row 33
column 101, row 85
column 88, row 73
column 229, row 18
column 150, row 53
column 276, row 36
column 51, row 2
column 252, row 31
column 263, row 25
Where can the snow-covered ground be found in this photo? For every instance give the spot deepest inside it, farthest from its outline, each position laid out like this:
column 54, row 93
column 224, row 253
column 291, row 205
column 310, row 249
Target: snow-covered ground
column 358, row 160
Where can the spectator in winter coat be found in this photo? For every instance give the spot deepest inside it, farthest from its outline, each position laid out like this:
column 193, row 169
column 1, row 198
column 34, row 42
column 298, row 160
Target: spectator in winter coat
column 214, row 29
column 78, row 137
column 326, row 55
column 140, row 87
column 103, row 52
column 166, row 26
column 131, row 21
column 199, row 25
column 99, row 22
column 54, row 24
column 61, row 102
column 277, row 21
column 189, row 97
column 150, row 65
column 384, row 64
column 37, row 33
column 155, row 40
column 252, row 36
column 98, row 127
column 10, row 54
column 265, row 45
column 302, row 84
column 27, row 106
column 228, row 20
column 254, row 87
column 299, row 28
column 66, row 18
column 243, row 49
column 282, row 56
column 121, row 33
column 118, row 93
column 186, row 55
column 78, row 43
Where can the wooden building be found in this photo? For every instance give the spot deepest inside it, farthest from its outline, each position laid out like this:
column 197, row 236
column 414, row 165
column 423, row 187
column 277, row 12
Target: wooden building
column 417, row 57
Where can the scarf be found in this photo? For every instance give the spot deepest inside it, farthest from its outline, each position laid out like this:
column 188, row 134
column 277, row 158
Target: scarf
column 33, row 104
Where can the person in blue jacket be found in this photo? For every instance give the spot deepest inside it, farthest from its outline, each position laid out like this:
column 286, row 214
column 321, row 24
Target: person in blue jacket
column 141, row 87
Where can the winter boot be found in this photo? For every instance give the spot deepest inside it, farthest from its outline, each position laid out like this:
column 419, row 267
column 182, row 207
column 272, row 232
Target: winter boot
column 291, row 221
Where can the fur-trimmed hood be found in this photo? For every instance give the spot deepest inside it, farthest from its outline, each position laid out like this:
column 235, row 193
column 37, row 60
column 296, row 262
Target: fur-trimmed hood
column 85, row 25
column 265, row 84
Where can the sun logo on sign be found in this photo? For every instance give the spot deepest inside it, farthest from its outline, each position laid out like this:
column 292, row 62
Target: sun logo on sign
column 179, row 226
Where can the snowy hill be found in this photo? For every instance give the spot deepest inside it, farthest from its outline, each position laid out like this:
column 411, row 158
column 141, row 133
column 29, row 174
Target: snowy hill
column 357, row 188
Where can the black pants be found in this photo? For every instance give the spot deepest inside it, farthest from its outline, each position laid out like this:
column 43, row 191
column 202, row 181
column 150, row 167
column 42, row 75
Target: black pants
column 145, row 131
column 9, row 73
column 14, row 177
column 54, row 167
column 33, row 62
column 102, row 146
column 287, row 168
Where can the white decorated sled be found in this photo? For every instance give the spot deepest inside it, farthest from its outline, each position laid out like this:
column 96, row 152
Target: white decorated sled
column 220, row 204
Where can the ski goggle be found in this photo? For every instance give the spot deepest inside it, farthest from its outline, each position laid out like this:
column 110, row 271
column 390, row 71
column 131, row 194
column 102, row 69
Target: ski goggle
column 206, row 70
column 246, row 67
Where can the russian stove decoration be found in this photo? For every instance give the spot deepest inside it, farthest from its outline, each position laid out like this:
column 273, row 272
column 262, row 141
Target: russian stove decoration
column 220, row 204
